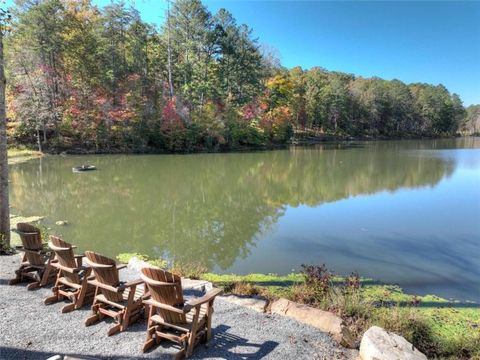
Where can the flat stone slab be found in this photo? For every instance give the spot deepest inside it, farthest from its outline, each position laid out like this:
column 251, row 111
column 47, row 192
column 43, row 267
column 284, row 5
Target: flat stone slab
column 379, row 344
column 255, row 303
column 323, row 320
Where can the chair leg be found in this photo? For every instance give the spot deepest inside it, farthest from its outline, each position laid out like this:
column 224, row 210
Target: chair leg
column 125, row 320
column 114, row 329
column 92, row 320
column 95, row 317
column 46, row 275
column 33, row 285
column 150, row 340
column 208, row 335
column 193, row 333
column 18, row 277
column 182, row 354
column 56, row 293
column 68, row 308
column 14, row 281
column 81, row 296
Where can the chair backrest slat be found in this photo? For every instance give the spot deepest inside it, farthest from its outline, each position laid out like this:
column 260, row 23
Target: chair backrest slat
column 105, row 275
column 31, row 240
column 64, row 254
column 165, row 293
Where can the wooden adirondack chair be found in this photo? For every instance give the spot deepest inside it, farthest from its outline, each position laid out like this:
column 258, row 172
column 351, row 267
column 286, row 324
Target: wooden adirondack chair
column 186, row 323
column 72, row 277
column 36, row 262
column 119, row 300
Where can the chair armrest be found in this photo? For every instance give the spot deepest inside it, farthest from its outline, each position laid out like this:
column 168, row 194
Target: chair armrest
column 209, row 296
column 96, row 283
column 95, row 265
column 79, row 256
column 69, row 270
column 131, row 283
column 25, row 232
column 38, row 252
column 157, row 304
column 121, row 266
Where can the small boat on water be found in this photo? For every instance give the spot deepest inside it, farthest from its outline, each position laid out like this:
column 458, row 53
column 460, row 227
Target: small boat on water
column 84, row 168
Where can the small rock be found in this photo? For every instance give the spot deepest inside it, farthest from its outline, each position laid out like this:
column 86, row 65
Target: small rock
column 323, row 320
column 136, row 264
column 55, row 357
column 379, row 344
column 255, row 303
column 61, row 222
column 199, row 285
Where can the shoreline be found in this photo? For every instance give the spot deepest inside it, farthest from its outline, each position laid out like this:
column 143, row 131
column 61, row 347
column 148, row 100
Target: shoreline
column 304, row 140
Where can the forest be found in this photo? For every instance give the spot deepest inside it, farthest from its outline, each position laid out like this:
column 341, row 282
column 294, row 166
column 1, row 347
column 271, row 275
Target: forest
column 84, row 78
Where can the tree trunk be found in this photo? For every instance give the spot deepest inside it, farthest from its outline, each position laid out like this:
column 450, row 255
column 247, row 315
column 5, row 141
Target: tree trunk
column 4, row 201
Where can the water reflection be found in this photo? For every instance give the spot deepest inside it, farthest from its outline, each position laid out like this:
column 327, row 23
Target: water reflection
column 214, row 208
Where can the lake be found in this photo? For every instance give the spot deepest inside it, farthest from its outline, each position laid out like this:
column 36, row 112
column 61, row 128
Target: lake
column 405, row 212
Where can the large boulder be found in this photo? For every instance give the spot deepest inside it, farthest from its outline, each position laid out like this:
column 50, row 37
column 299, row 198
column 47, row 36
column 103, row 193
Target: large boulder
column 379, row 344
column 323, row 320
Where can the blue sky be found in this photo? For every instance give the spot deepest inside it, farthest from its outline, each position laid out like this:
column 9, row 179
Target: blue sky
column 414, row 41
column 424, row 41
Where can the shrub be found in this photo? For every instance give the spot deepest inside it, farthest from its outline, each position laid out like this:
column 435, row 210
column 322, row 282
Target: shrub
column 239, row 131
column 242, row 288
column 189, row 270
column 318, row 278
column 4, row 249
column 124, row 258
column 410, row 324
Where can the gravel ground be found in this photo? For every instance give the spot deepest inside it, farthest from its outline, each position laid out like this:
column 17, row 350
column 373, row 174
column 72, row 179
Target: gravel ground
column 31, row 330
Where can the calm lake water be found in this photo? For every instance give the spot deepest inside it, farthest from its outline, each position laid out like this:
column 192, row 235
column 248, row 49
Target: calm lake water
column 405, row 212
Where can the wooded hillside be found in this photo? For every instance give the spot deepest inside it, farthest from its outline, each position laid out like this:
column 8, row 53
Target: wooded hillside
column 83, row 77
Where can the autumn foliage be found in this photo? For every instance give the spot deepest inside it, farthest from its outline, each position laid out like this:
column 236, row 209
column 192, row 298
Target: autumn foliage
column 88, row 78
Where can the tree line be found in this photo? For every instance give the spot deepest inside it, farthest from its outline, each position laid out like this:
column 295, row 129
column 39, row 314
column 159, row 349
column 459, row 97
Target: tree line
column 81, row 77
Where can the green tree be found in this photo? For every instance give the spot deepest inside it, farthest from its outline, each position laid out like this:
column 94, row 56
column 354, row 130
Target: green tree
column 239, row 69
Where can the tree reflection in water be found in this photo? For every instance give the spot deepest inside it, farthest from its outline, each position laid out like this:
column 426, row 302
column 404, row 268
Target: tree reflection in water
column 210, row 208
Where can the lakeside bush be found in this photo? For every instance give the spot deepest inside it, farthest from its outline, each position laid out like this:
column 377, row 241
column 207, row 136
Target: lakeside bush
column 191, row 270
column 439, row 330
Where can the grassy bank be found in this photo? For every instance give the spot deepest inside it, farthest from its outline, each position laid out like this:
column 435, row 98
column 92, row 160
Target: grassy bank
column 440, row 328
column 18, row 155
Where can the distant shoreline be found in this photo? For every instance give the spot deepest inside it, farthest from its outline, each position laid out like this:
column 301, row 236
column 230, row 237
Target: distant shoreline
column 325, row 139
